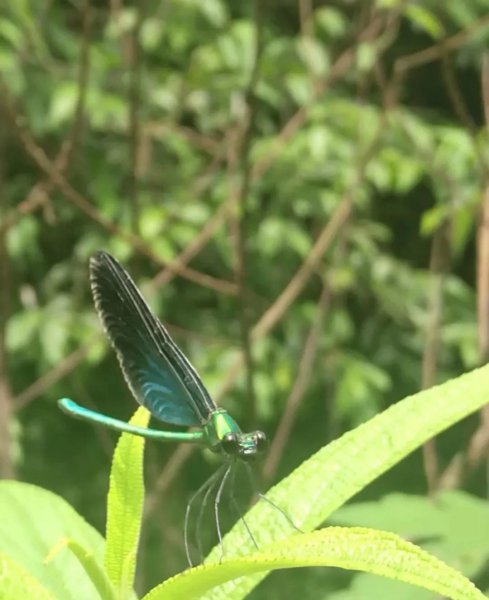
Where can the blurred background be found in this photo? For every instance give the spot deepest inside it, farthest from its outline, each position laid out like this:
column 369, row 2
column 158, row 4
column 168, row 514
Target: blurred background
column 300, row 188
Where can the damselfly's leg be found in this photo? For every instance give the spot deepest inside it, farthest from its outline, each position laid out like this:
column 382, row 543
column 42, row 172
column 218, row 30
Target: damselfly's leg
column 208, row 484
column 216, row 507
column 202, row 508
column 271, row 502
column 237, row 508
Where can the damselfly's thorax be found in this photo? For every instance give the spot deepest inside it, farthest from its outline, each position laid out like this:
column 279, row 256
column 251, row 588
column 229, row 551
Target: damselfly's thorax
column 225, row 437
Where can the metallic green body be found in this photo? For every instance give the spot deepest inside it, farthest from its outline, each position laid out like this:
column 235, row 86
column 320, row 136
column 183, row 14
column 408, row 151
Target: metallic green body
column 219, row 424
column 85, row 414
column 221, row 433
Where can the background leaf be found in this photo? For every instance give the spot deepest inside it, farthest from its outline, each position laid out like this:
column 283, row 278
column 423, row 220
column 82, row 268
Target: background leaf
column 356, row 548
column 33, row 522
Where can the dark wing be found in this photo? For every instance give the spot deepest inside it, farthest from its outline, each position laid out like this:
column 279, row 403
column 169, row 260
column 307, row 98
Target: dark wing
column 157, row 373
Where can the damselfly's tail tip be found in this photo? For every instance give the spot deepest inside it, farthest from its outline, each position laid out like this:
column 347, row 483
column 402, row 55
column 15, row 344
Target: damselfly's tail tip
column 67, row 405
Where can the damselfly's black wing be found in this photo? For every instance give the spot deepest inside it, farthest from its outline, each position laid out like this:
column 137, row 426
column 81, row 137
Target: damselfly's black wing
column 158, row 374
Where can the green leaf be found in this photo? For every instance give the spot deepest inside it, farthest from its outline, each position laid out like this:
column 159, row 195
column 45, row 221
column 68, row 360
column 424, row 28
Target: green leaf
column 314, row 56
column 22, row 329
column 122, row 23
column 299, row 86
column 425, row 20
column 357, row 548
column 366, row 56
column 16, row 583
column 22, row 238
column 10, row 32
column 453, row 526
column 463, row 226
column 331, row 21
column 63, row 104
column 33, row 522
column 360, row 383
column 125, row 508
column 337, row 472
column 433, row 218
column 92, row 567
column 215, row 11
column 53, row 335
column 152, row 31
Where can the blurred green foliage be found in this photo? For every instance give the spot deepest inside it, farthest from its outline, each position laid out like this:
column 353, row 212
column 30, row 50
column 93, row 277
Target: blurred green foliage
column 167, row 113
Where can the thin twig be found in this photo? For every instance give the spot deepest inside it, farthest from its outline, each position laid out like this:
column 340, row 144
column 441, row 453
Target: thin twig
column 439, row 264
column 299, row 388
column 6, row 403
column 195, row 245
column 159, row 130
column 478, row 447
column 134, row 120
column 437, row 51
column 306, row 15
column 479, row 444
column 456, row 96
column 61, row 370
column 241, row 167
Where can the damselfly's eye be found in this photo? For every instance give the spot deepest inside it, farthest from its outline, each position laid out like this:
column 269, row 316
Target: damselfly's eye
column 229, row 443
column 261, row 441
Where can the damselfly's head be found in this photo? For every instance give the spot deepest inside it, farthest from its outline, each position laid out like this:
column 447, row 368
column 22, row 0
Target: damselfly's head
column 224, row 436
column 246, row 446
